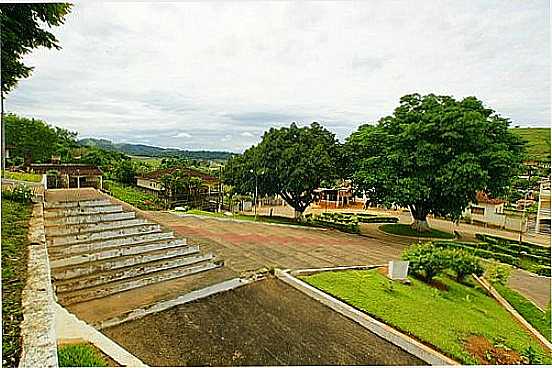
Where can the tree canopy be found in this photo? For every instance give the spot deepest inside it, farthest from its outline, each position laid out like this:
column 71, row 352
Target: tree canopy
column 290, row 162
column 33, row 140
column 23, row 29
column 433, row 154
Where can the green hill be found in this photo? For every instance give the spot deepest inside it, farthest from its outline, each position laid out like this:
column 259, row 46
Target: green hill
column 152, row 151
column 538, row 142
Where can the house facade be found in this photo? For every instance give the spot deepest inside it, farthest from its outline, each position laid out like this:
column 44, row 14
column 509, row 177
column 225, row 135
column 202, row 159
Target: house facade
column 69, row 175
column 543, row 212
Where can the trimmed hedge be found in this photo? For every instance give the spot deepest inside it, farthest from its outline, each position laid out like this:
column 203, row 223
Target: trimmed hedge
column 483, row 253
column 378, row 220
column 335, row 220
column 527, row 247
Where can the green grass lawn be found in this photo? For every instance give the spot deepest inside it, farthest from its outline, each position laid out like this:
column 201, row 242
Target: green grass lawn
column 538, row 145
column 133, row 196
column 23, row 176
column 273, row 219
column 440, row 318
column 80, row 355
column 15, row 218
column 542, row 321
column 406, row 230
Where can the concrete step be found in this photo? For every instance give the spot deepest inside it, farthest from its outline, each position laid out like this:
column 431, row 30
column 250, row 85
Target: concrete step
column 137, row 282
column 83, row 203
column 68, row 250
column 117, row 251
column 100, row 291
column 139, row 227
column 89, row 219
column 127, row 258
column 91, row 228
column 76, row 211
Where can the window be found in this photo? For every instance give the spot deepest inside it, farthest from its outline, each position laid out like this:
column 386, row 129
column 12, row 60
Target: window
column 478, row 211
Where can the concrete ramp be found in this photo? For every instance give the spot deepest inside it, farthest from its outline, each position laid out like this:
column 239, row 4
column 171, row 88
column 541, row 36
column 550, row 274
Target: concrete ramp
column 97, row 248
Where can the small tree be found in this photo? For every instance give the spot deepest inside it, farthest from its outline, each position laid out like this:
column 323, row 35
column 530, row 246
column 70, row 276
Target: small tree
column 425, row 260
column 463, row 264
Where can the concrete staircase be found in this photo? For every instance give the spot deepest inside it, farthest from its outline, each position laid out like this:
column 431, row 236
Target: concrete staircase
column 97, row 249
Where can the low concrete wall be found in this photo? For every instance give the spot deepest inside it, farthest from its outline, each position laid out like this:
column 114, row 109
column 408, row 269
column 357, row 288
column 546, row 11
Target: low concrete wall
column 384, row 331
column 39, row 348
column 500, row 299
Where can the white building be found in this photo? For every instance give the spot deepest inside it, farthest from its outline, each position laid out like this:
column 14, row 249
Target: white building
column 543, row 213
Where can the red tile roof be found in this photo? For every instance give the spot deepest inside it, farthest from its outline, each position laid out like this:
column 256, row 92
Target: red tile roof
column 64, row 169
column 483, row 197
column 157, row 174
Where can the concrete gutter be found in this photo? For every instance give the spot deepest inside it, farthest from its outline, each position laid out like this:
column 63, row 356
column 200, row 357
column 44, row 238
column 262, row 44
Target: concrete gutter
column 39, row 347
column 384, row 331
column 503, row 302
column 70, row 329
column 164, row 305
column 229, row 219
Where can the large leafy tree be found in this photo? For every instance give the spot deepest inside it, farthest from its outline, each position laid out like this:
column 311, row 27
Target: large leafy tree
column 433, row 154
column 33, row 140
column 290, row 162
column 23, row 28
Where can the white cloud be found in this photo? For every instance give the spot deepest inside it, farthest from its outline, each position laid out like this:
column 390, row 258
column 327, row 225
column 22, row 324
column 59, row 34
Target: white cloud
column 182, row 135
column 218, row 69
column 247, row 134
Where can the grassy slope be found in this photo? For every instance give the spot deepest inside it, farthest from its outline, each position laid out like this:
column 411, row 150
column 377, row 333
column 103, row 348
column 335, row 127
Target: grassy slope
column 406, row 230
column 540, row 320
column 538, row 145
column 80, row 355
column 15, row 217
column 133, row 195
column 440, row 318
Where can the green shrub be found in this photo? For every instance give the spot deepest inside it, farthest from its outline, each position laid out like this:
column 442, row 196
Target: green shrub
column 497, row 273
column 426, row 260
column 19, row 193
column 463, row 264
column 474, row 249
column 378, row 219
column 543, row 270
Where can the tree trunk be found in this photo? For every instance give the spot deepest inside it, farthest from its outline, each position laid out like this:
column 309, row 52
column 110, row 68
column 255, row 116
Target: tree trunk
column 420, row 226
column 419, row 215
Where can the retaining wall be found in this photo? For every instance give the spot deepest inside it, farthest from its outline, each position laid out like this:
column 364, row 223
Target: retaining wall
column 39, row 347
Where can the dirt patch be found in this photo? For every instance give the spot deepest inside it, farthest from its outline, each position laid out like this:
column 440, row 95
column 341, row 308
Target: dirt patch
column 438, row 285
column 486, row 353
column 265, row 323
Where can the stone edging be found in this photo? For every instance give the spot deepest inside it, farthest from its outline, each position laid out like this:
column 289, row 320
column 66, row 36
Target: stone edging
column 504, row 303
column 39, row 347
column 70, row 328
column 247, row 221
column 164, row 305
column 384, row 331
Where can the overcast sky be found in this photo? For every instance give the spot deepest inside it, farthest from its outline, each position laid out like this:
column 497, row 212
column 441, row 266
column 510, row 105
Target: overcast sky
column 217, row 75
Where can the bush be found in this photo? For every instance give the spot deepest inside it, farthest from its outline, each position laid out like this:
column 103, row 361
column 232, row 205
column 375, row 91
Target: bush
column 497, row 273
column 426, row 260
column 20, row 193
column 463, row 264
column 543, row 271
column 474, row 249
column 378, row 219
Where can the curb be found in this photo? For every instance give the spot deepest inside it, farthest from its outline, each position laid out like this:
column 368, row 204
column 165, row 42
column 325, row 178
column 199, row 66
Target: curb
column 384, row 331
column 70, row 328
column 504, row 303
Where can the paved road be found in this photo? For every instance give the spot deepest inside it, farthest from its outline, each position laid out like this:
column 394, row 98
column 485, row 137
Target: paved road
column 250, row 246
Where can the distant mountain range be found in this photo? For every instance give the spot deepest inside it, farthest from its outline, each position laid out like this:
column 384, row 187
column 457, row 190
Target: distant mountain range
column 152, row 151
